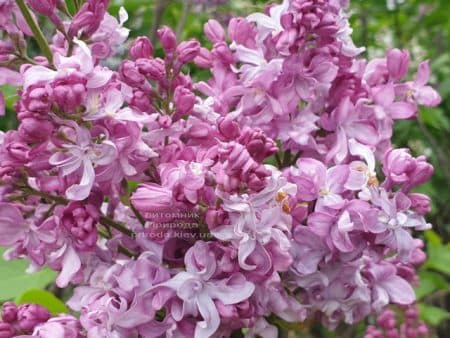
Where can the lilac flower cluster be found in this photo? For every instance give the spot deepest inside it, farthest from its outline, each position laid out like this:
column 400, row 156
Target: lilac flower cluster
column 154, row 195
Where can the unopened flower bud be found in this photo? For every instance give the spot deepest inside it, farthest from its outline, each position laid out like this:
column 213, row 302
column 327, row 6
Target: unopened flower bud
column 6, row 330
column 9, row 312
column 141, row 48
column 187, row 51
column 30, row 315
column 214, row 31
column 168, row 39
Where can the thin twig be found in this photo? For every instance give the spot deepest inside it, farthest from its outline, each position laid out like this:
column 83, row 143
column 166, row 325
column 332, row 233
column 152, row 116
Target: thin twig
column 116, row 225
column 37, row 33
column 61, row 200
column 160, row 7
column 137, row 214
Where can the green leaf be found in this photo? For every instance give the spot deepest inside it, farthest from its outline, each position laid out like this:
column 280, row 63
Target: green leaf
column 430, row 282
column 14, row 280
column 434, row 117
column 439, row 258
column 44, row 298
column 432, row 314
column 433, row 238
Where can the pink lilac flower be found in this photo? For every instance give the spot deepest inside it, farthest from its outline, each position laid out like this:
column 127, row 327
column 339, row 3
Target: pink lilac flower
column 81, row 156
column 198, row 290
column 156, row 197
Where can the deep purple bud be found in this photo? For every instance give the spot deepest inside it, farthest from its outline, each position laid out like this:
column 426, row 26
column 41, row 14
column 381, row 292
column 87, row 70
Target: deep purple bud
column 228, row 128
column 152, row 198
column 88, row 18
column 6, row 330
column 165, row 121
column 392, row 333
column 258, row 145
column 204, row 58
column 420, row 203
column 214, row 31
column 411, row 332
column 141, row 101
column 18, row 150
column 152, row 69
column 130, row 74
column 37, row 99
column 141, row 48
column 422, row 329
column 69, row 91
column 168, row 39
column 184, row 100
column 9, row 312
column 30, row 315
column 422, row 172
column 223, row 53
column 412, row 313
column 401, row 168
column 81, row 222
column 35, row 130
column 44, row 7
column 397, row 63
column 187, row 51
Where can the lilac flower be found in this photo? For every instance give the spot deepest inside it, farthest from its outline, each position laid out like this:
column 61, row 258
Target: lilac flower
column 110, row 105
column 315, row 181
column 270, row 24
column 384, row 97
column 82, row 156
column 81, row 61
column 63, row 326
column 12, row 224
column 109, row 35
column 80, row 221
column 393, row 222
column 114, row 179
column 388, row 286
column 198, row 290
column 255, row 67
column 256, row 219
column 422, row 94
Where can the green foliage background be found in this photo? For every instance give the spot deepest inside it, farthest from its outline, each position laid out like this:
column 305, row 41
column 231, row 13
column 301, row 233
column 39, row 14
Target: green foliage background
column 422, row 27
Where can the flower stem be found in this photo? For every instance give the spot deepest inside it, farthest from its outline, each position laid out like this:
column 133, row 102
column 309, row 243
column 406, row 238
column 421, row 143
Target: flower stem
column 137, row 214
column 61, row 200
column 118, row 226
column 38, row 35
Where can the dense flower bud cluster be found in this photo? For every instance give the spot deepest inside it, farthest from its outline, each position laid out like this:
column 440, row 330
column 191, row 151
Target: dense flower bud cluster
column 33, row 320
column 388, row 325
column 194, row 209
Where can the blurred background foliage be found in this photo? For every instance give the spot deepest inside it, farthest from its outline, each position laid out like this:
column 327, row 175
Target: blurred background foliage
column 421, row 26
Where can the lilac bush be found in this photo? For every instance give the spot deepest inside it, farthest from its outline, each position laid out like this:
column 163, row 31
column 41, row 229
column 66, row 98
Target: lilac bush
column 182, row 208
